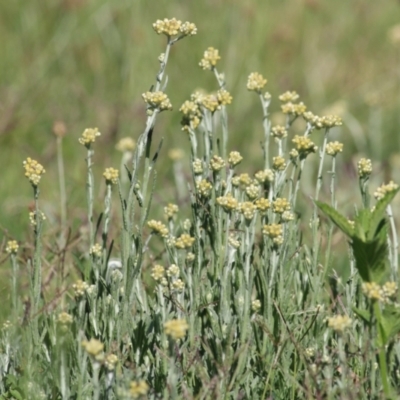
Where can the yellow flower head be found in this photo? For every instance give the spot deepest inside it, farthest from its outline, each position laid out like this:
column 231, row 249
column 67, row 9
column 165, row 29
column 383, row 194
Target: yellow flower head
column 157, row 101
column 184, row 241
column 158, row 227
column 12, row 247
column 138, row 388
column 364, row 167
column 234, row 158
column 204, row 188
column 89, row 136
column 256, row 82
column 384, row 189
column 289, row 97
column 111, row 176
column 174, row 27
column 339, row 323
column 210, row 58
column 176, row 328
column 126, row 144
column 333, row 148
column 33, row 171
column 93, row 347
column 228, row 203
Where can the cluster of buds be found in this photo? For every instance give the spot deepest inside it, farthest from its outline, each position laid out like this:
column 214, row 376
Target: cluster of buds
column 364, row 167
column 184, row 241
column 384, row 293
column 274, row 232
column 157, row 101
column 228, row 203
column 210, row 58
column 176, row 328
column 385, row 189
column 33, row 171
column 304, row 146
column 256, row 82
column 173, row 27
column 158, row 228
column 295, row 109
column 191, row 115
column 289, row 97
column 339, row 323
column 12, row 247
column 169, row 278
column 111, row 176
column 333, row 148
column 89, row 136
column 170, row 210
column 234, row 158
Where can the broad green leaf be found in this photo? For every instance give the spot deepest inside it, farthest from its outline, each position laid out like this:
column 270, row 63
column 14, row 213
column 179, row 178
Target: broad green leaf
column 363, row 314
column 380, row 209
column 338, row 219
column 370, row 258
column 362, row 223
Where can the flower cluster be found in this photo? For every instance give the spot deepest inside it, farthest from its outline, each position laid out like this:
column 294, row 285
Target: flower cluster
column 204, row 188
column 160, row 275
column 12, row 247
column 289, row 97
column 197, row 166
column 280, row 205
column 385, row 189
column 279, row 132
column 126, row 144
column 228, row 203
column 173, row 27
column 256, row 82
column 191, row 115
column 80, row 287
column 33, row 171
column 304, row 146
column 157, row 101
column 253, row 190
column 266, row 175
column 170, row 210
column 278, row 163
column 138, row 388
column 217, row 163
column 184, row 241
column 333, row 148
column 210, row 58
column 382, row 293
column 339, row 323
column 274, row 232
column 242, row 180
column 111, row 176
column 176, row 328
column 89, row 136
column 64, row 318
column 263, row 205
column 234, row 159
column 364, row 167
column 96, row 250
column 94, row 348
column 248, row 209
column 32, row 217
column 295, row 109
column 158, row 228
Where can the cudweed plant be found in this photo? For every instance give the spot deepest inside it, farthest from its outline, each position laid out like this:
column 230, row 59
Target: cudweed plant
column 242, row 301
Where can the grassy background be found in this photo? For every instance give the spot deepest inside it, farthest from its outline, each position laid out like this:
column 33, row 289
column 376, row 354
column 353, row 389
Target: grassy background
column 86, row 63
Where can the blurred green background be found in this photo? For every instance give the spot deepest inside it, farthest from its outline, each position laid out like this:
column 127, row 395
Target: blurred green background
column 87, row 62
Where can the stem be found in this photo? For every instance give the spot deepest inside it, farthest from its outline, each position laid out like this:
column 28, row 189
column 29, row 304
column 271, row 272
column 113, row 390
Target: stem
column 89, row 188
column 61, row 178
column 395, row 246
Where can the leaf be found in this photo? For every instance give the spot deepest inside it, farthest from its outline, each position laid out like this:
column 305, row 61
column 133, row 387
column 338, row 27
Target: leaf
column 370, row 258
column 362, row 223
column 363, row 314
column 338, row 219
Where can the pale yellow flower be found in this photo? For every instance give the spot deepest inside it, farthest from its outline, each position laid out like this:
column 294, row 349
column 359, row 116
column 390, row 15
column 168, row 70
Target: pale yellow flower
column 176, row 328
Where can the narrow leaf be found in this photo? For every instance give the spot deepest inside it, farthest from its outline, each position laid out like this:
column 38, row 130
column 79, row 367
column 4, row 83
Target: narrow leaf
column 338, row 219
